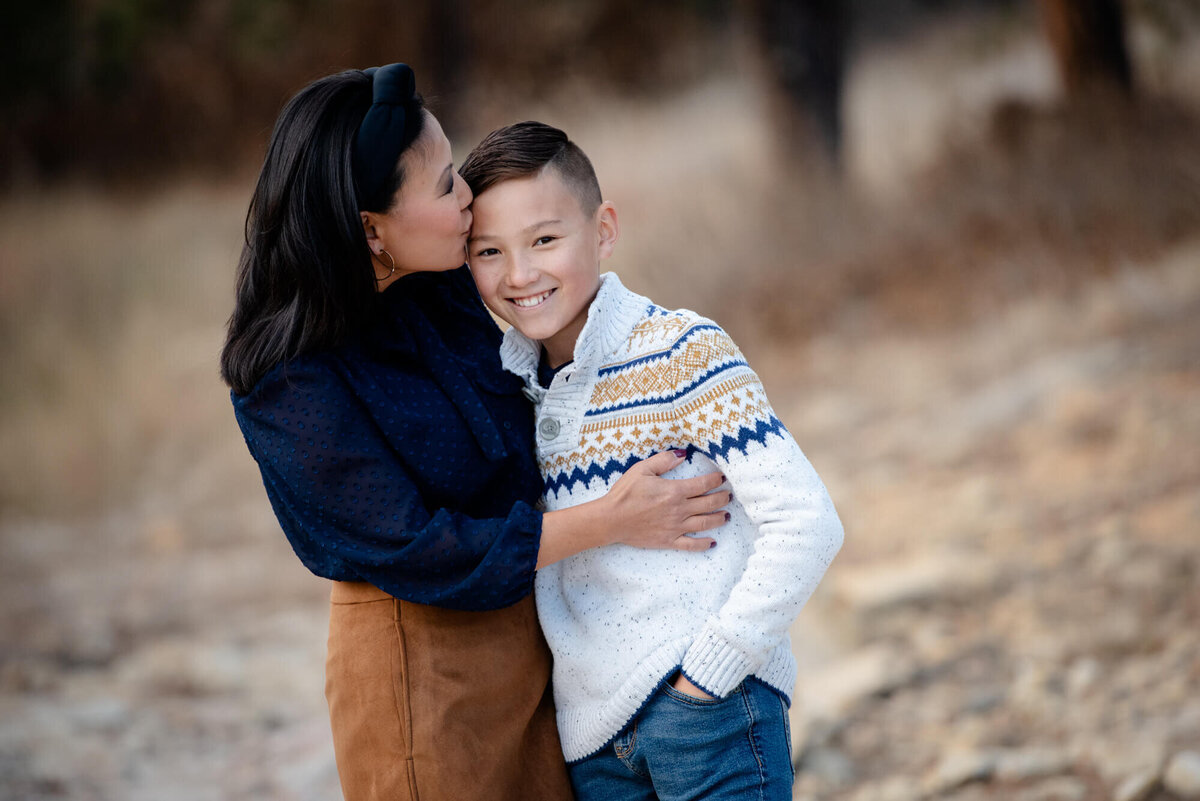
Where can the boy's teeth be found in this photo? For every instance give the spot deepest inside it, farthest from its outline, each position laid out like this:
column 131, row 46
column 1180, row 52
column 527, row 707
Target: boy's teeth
column 531, row 301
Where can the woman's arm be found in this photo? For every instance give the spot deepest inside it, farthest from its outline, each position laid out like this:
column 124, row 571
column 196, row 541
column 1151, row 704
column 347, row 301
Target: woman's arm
column 349, row 505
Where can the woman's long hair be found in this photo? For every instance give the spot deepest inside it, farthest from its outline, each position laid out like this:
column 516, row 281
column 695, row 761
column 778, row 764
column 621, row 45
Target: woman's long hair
column 305, row 276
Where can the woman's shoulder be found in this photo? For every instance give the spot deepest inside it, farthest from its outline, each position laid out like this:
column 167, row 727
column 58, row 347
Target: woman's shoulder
column 462, row 290
column 425, row 287
column 446, row 300
column 301, row 374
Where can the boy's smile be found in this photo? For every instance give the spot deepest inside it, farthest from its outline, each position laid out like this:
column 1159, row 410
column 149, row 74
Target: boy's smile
column 535, row 255
column 533, row 301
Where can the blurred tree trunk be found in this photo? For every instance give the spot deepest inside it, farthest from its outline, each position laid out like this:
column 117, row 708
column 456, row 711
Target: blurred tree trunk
column 1088, row 39
column 448, row 53
column 804, row 44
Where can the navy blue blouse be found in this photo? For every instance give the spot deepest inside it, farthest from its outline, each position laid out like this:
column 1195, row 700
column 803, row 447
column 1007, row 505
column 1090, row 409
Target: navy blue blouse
column 404, row 457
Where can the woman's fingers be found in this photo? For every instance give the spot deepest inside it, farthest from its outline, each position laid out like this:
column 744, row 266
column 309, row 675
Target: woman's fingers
column 660, row 463
column 679, row 507
column 700, row 485
column 706, row 522
column 686, row 543
column 710, row 505
column 706, row 504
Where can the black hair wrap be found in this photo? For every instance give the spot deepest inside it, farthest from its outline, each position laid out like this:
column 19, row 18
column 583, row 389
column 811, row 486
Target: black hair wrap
column 387, row 129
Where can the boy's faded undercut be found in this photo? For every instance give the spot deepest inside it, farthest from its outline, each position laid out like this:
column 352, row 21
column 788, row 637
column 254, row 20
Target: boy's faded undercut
column 523, row 150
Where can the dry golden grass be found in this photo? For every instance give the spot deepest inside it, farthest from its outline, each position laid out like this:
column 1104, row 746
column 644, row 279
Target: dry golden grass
column 111, row 312
column 112, row 308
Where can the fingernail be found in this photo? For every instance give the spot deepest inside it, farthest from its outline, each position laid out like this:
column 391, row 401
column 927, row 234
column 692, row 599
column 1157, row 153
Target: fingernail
column 726, row 517
column 712, row 545
column 723, row 479
column 679, row 452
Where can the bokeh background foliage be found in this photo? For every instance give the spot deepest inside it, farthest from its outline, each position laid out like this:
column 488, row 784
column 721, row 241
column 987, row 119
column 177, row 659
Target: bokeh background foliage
column 103, row 87
column 960, row 241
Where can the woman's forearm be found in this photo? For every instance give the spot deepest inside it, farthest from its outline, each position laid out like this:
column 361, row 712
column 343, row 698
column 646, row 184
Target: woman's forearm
column 566, row 532
column 642, row 509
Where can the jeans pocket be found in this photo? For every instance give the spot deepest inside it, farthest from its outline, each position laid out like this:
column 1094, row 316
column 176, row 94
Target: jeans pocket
column 691, row 700
column 787, row 734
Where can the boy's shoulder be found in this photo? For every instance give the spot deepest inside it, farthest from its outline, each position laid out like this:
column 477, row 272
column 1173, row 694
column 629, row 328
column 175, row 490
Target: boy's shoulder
column 662, row 333
column 648, row 343
column 659, row 327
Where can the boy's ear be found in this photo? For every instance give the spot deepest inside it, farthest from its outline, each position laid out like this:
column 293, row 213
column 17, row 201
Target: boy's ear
column 606, row 226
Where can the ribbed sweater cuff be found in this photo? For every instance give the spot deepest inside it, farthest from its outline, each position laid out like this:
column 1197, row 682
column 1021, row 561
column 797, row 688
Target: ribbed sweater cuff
column 715, row 665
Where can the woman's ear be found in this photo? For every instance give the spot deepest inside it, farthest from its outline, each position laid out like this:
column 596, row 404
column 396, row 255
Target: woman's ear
column 606, row 225
column 368, row 223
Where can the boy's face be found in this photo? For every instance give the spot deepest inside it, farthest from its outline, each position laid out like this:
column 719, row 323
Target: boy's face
column 535, row 255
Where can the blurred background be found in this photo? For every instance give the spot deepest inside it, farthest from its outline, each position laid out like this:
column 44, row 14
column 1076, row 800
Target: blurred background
column 960, row 241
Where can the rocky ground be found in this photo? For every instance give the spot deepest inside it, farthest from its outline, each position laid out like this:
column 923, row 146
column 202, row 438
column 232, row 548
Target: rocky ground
column 1016, row 613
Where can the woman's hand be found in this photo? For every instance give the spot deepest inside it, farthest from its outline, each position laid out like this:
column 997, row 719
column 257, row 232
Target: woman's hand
column 683, row 685
column 649, row 511
column 642, row 509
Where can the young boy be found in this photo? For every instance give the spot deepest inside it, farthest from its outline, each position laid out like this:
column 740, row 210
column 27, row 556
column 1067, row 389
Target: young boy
column 672, row 670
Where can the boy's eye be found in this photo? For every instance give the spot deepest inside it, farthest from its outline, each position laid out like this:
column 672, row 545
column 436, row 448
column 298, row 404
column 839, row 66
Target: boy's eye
column 487, row 252
column 542, row 240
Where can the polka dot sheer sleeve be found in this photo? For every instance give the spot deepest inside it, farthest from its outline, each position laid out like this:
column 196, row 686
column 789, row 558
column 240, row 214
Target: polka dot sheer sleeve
column 350, row 493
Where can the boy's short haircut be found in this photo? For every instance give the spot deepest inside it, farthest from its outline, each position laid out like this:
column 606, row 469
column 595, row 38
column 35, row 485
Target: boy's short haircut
column 523, row 150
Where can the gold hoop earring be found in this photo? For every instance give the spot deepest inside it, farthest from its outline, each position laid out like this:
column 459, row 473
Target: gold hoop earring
column 392, row 271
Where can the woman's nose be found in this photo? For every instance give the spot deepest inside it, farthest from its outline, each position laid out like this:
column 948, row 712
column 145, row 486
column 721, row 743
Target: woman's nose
column 465, row 195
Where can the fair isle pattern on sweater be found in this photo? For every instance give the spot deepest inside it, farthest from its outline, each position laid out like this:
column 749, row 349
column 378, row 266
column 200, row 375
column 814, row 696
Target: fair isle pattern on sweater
column 699, row 390
column 618, row 619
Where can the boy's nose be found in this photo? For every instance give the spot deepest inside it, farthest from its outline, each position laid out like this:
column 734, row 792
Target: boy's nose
column 521, row 272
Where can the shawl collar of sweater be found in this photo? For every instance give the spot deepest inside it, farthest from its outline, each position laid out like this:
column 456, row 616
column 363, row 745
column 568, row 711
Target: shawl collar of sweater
column 611, row 317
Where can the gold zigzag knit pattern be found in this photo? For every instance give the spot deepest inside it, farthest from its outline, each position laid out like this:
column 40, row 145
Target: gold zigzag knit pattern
column 723, row 409
column 659, row 327
column 666, row 376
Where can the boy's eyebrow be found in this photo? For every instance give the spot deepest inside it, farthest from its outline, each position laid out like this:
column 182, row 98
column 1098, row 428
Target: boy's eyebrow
column 527, row 230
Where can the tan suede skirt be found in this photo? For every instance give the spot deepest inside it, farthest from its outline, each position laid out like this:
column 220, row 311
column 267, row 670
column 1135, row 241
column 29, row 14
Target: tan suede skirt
column 431, row 704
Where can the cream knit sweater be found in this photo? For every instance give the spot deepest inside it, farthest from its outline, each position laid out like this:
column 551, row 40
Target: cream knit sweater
column 618, row 619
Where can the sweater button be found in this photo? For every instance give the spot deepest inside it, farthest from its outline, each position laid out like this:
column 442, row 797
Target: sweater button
column 548, row 428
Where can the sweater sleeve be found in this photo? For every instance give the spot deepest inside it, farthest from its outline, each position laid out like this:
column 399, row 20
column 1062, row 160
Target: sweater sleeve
column 723, row 413
column 352, row 509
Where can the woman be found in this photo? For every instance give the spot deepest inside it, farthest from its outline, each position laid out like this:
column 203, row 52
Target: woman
column 397, row 453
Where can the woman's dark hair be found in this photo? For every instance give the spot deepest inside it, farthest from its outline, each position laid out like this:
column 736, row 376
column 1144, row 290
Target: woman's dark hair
column 305, row 276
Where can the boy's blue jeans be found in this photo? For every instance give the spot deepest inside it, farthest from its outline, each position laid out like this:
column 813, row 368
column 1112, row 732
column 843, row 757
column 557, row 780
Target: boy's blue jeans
column 681, row 748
